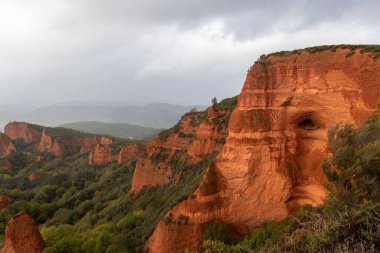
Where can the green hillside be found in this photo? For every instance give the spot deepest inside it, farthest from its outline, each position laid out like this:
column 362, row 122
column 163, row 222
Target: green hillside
column 90, row 209
column 121, row 130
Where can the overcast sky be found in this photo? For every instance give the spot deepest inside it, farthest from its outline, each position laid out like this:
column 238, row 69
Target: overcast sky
column 176, row 51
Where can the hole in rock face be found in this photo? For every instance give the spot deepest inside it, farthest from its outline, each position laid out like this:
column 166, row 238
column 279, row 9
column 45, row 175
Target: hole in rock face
column 307, row 124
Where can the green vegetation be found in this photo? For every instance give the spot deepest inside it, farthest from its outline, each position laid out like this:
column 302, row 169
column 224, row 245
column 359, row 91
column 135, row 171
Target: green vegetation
column 58, row 132
column 348, row 222
column 373, row 49
column 196, row 118
column 121, row 130
column 164, row 135
column 82, row 208
column 228, row 103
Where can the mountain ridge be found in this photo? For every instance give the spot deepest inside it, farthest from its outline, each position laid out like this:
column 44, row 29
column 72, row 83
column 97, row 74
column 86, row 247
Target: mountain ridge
column 121, row 130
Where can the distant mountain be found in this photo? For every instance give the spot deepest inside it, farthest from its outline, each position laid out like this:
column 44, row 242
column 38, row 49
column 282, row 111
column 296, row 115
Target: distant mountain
column 156, row 115
column 121, row 130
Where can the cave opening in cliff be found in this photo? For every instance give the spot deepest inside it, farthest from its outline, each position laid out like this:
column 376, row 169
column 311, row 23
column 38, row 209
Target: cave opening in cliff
column 307, row 124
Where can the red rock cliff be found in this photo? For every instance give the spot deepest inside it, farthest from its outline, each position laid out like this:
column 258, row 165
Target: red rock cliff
column 87, row 144
column 22, row 236
column 129, row 152
column 101, row 155
column 197, row 135
column 6, row 146
column 271, row 162
column 22, row 130
column 49, row 144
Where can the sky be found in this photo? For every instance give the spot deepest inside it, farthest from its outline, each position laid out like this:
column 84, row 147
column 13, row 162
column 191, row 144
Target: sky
column 176, row 51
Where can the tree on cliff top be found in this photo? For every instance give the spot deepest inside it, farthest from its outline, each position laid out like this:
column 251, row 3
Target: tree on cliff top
column 214, row 102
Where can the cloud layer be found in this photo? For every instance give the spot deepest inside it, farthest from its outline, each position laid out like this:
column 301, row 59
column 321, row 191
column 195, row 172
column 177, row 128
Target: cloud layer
column 170, row 51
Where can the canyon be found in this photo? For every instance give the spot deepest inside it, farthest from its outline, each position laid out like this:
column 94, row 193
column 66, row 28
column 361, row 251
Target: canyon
column 253, row 158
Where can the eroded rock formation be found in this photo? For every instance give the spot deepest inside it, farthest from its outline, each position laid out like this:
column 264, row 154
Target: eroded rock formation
column 129, row 152
column 4, row 202
column 87, row 144
column 49, row 144
column 6, row 146
column 196, row 136
column 22, row 236
column 271, row 163
column 101, row 155
column 22, row 130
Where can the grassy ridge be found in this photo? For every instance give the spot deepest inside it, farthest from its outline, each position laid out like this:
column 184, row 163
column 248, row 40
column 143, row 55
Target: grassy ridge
column 373, row 49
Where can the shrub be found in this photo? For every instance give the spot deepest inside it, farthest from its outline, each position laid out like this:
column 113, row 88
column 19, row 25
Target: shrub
column 218, row 231
column 69, row 244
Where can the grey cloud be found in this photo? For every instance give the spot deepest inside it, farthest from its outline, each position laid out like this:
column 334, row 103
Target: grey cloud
column 163, row 50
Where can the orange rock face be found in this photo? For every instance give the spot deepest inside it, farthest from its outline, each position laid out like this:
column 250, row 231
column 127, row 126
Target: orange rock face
column 22, row 236
column 271, row 163
column 48, row 144
column 105, row 140
column 6, row 146
column 11, row 148
column 129, row 152
column 196, row 136
column 101, row 155
column 4, row 202
column 22, row 130
column 87, row 144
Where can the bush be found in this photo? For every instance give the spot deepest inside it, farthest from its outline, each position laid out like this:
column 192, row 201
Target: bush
column 61, row 216
column 69, row 244
column 218, row 231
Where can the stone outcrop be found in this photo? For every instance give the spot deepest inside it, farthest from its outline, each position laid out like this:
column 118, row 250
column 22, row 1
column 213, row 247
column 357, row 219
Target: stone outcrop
column 60, row 142
column 49, row 144
column 4, row 202
column 6, row 145
column 22, row 236
column 271, row 163
column 196, row 135
column 22, row 130
column 105, row 140
column 34, row 176
column 10, row 149
column 129, row 152
column 52, row 140
column 87, row 144
column 101, row 155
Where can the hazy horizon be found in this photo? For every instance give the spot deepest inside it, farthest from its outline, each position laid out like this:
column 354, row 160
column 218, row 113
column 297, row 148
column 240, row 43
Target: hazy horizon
column 139, row 52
